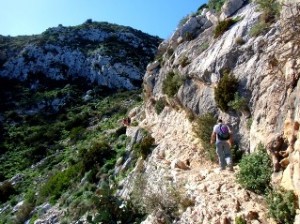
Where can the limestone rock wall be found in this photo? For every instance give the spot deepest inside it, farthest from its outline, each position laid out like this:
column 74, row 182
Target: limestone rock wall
column 267, row 67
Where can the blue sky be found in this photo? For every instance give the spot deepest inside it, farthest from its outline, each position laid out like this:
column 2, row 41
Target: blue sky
column 155, row 17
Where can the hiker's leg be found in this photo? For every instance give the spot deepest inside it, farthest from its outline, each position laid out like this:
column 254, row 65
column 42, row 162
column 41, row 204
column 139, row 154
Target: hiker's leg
column 220, row 153
column 227, row 155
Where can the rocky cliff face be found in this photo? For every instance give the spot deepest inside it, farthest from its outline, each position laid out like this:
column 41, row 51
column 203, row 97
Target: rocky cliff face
column 267, row 68
column 104, row 54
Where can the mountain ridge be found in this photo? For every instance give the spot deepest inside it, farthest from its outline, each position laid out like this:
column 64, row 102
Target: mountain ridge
column 95, row 51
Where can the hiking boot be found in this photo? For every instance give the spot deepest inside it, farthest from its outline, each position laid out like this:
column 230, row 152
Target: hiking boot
column 231, row 168
column 221, row 169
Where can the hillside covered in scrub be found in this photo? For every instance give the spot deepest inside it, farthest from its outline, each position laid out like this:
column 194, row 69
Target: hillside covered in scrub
column 68, row 156
column 63, row 95
column 95, row 53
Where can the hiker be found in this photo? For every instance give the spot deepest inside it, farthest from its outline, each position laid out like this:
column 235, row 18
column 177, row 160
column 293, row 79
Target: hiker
column 222, row 137
column 126, row 121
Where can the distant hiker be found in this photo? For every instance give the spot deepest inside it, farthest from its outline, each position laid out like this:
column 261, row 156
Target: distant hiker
column 222, row 137
column 126, row 121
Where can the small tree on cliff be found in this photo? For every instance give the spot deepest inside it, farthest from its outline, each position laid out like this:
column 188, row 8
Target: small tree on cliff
column 225, row 90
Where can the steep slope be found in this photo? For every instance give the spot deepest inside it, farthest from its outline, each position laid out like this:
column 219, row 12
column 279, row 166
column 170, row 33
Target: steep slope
column 182, row 85
column 63, row 95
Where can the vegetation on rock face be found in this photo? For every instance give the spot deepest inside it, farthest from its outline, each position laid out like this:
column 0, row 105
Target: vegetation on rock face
column 223, row 26
column 171, row 84
column 144, row 147
column 259, row 28
column 240, row 220
column 215, row 4
column 270, row 8
column 53, row 149
column 225, row 91
column 166, row 198
column 255, row 171
column 203, row 128
column 270, row 12
column 160, row 105
column 282, row 206
column 6, row 190
column 239, row 103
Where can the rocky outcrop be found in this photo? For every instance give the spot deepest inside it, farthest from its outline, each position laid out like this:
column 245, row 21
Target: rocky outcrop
column 99, row 53
column 230, row 7
column 267, row 68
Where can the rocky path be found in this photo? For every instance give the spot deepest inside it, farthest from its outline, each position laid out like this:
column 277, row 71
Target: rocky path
column 217, row 197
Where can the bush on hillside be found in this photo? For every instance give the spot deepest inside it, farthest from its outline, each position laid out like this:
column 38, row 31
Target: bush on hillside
column 270, row 8
column 258, row 29
column 171, row 84
column 238, row 103
column 23, row 213
column 255, row 171
column 184, row 61
column 96, row 155
column 240, row 220
column 147, row 199
column 201, row 7
column 6, row 190
column 225, row 90
column 223, row 26
column 183, row 21
column 160, row 105
column 144, row 148
column 282, row 206
column 215, row 4
column 58, row 183
column 240, row 41
column 203, row 129
column 236, row 154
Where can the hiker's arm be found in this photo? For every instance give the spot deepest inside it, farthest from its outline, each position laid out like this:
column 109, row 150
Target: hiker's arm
column 213, row 137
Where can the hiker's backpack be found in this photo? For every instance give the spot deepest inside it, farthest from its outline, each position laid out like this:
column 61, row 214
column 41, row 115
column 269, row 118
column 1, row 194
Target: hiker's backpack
column 223, row 132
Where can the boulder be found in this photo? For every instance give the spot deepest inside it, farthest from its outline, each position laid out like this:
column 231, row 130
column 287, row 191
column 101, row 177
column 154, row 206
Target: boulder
column 230, row 7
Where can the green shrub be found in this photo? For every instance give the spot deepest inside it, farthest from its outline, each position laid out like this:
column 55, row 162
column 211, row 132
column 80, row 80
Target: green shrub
column 188, row 36
column 23, row 213
column 239, row 220
column 76, row 133
column 282, row 206
column 201, row 7
column 255, row 171
column 59, row 183
column 203, row 47
column 223, row 26
column 239, row 103
column 270, row 8
column 184, row 61
column 215, row 4
column 144, row 148
column 6, row 190
column 224, row 92
column 237, row 154
column 2, row 177
column 183, row 21
column 160, row 105
column 249, row 123
column 240, row 41
column 258, row 29
column 96, row 155
column 203, row 129
column 171, row 84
